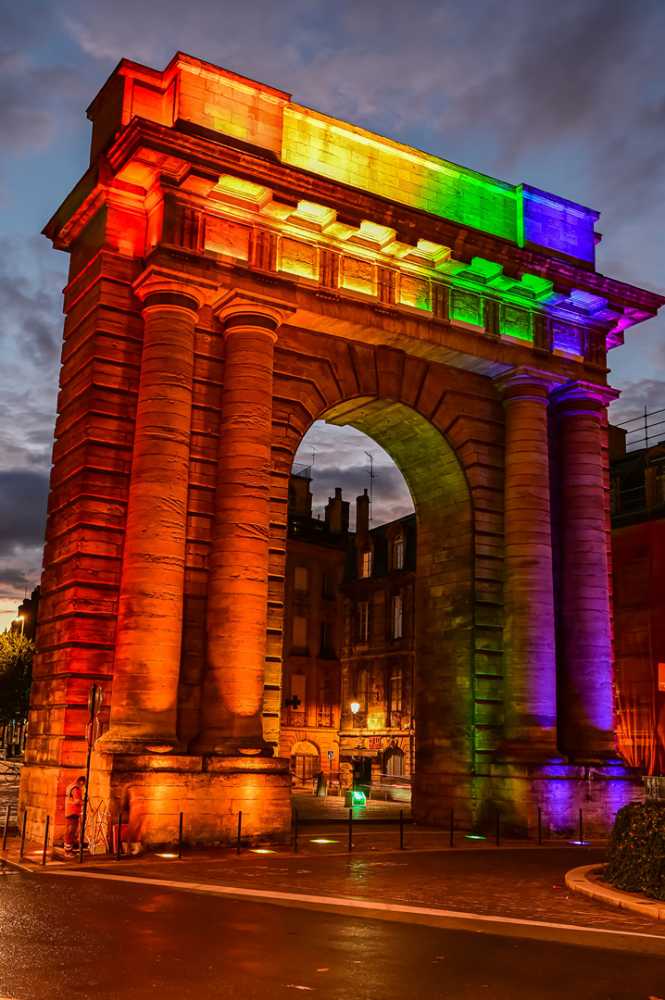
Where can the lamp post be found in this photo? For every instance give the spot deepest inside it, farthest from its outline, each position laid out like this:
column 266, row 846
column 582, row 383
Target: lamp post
column 355, row 708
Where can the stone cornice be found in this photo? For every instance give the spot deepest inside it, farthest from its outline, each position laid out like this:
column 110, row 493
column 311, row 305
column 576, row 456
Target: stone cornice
column 582, row 395
column 292, row 183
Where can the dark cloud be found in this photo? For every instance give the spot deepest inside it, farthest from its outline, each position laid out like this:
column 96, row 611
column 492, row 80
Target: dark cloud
column 31, row 279
column 13, row 581
column 31, row 300
column 23, row 495
column 337, row 456
column 36, row 101
column 636, row 398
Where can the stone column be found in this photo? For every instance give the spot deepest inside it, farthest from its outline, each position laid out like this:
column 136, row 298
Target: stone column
column 586, row 663
column 232, row 703
column 529, row 635
column 150, row 606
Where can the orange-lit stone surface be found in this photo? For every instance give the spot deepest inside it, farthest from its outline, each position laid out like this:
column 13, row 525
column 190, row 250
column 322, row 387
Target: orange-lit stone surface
column 239, row 270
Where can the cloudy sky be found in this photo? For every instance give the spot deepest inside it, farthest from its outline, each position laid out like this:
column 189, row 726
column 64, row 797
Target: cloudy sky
column 567, row 95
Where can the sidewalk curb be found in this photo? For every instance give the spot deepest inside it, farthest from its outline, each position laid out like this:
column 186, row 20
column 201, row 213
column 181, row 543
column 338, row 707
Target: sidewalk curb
column 21, row 865
column 577, row 880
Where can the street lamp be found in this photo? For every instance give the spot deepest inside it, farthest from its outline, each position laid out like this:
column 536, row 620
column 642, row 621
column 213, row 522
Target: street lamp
column 20, row 619
column 355, row 707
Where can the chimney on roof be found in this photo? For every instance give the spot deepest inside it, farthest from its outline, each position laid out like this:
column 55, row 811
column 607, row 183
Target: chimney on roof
column 300, row 496
column 616, row 440
column 337, row 513
column 362, row 520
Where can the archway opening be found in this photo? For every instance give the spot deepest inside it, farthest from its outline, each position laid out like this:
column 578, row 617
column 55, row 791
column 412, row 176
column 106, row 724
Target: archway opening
column 384, row 593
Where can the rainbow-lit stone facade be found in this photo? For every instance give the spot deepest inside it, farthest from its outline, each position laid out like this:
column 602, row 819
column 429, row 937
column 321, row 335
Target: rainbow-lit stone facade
column 240, row 267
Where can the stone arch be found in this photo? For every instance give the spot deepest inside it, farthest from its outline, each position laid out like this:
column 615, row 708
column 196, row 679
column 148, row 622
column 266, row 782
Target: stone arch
column 444, row 589
column 305, row 759
column 427, row 416
column 308, row 747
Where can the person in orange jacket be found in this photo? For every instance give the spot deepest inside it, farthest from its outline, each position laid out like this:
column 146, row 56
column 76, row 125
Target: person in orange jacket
column 73, row 810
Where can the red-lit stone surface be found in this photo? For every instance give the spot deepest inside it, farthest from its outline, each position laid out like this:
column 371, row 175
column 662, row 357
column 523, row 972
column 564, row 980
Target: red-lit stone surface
column 219, row 301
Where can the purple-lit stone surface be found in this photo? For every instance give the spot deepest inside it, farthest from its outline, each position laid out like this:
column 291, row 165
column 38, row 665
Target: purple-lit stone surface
column 558, row 224
column 566, row 338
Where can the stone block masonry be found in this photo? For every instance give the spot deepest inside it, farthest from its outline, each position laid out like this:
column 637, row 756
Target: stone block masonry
column 240, row 267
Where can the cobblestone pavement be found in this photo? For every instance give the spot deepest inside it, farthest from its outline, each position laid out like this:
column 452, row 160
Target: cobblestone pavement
column 509, row 882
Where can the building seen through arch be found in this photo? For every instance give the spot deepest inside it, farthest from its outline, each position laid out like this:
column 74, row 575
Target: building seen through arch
column 349, row 645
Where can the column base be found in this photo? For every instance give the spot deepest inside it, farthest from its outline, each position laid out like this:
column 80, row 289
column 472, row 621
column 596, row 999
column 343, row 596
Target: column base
column 223, row 745
column 560, row 787
column 151, row 790
column 117, row 741
column 516, row 788
column 528, row 752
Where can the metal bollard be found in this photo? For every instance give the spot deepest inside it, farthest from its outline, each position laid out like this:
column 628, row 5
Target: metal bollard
column 180, row 831
column 239, row 832
column 451, row 839
column 23, row 831
column 498, row 828
column 295, row 831
column 540, row 825
column 6, row 829
column 401, row 829
column 350, row 828
column 118, row 846
column 45, row 848
column 581, row 828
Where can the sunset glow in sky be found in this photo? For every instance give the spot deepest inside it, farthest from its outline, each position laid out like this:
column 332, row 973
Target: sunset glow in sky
column 568, row 97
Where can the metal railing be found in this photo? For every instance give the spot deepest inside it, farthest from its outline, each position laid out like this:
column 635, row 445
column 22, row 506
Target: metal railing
column 645, row 430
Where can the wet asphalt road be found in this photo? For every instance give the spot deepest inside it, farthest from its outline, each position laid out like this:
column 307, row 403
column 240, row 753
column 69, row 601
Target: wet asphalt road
column 62, row 937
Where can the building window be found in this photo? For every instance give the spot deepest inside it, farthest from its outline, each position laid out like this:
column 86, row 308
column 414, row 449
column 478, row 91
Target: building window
column 363, row 621
column 366, row 564
column 301, row 579
column 327, row 649
column 393, row 762
column 295, row 715
column 299, row 632
column 361, row 697
column 397, row 617
column 327, row 586
column 398, row 552
column 324, row 708
column 395, row 697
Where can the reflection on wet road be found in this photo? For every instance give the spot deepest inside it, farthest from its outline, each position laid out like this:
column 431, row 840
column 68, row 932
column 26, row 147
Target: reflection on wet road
column 99, row 941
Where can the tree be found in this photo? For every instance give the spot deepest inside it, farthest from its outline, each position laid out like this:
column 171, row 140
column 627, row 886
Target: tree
column 16, row 654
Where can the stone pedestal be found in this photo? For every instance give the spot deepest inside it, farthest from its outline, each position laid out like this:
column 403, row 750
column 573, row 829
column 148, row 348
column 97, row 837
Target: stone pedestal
column 151, row 790
column 517, row 787
column 561, row 788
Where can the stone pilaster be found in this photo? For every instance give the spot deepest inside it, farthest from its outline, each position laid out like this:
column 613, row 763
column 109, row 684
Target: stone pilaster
column 231, row 715
column 149, row 629
column 529, row 634
column 586, row 668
